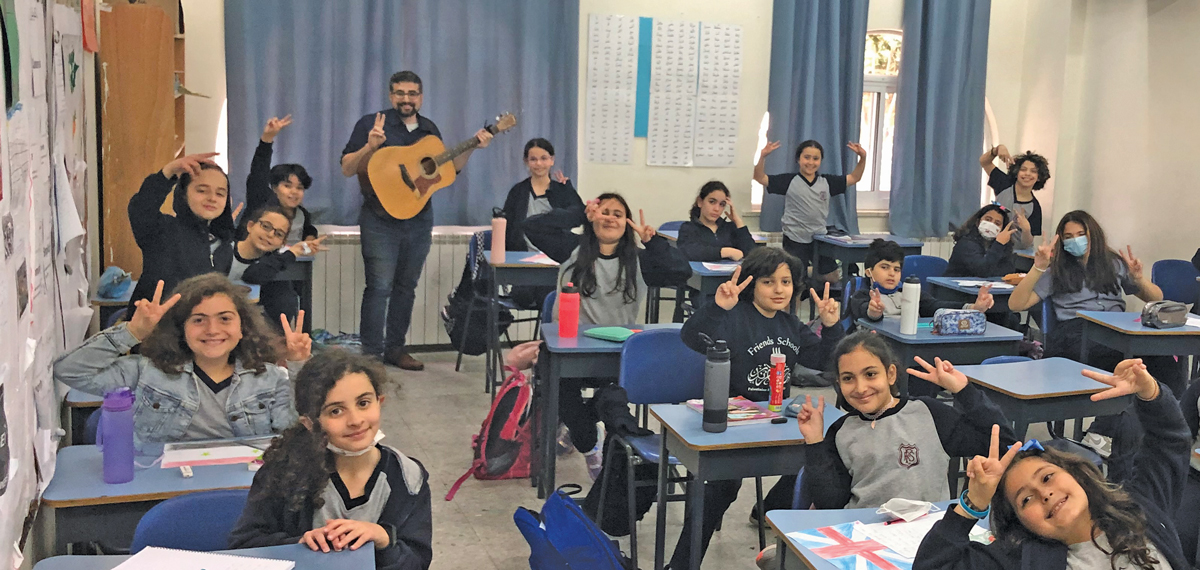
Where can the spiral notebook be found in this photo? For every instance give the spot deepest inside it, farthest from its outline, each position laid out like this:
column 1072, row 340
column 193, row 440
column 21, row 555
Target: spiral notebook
column 154, row 558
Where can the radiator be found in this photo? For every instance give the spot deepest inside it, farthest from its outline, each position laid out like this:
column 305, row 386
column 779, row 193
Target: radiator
column 338, row 282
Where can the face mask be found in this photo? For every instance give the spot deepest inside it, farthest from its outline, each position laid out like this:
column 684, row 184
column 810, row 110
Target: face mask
column 988, row 230
column 346, row 453
column 1076, row 246
column 885, row 291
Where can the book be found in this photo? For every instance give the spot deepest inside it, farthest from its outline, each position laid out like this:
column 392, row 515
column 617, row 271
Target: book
column 153, row 557
column 741, row 411
column 214, row 452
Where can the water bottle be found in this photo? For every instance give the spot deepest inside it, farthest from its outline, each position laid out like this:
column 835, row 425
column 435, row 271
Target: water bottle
column 910, row 305
column 778, row 381
column 499, row 225
column 716, row 387
column 568, row 311
column 116, row 431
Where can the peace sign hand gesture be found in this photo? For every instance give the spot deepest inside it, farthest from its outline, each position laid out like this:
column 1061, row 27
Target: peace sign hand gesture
column 829, row 308
column 728, row 292
column 147, row 313
column 377, row 137
column 811, row 420
column 1134, row 264
column 189, row 164
column 985, row 472
column 1044, row 253
column 984, row 300
column 592, row 209
column 559, row 177
column 643, row 231
column 942, row 373
column 768, row 149
column 299, row 344
column 273, row 126
column 1006, row 234
column 875, row 307
column 1130, row 377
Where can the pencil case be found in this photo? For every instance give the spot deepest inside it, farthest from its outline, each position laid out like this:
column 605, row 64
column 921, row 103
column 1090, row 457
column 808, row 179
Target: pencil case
column 959, row 322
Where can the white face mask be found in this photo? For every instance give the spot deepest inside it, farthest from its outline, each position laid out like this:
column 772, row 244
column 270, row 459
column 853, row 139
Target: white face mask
column 988, row 229
column 346, row 453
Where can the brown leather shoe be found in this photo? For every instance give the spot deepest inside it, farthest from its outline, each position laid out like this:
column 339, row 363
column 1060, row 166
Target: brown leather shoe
column 403, row 360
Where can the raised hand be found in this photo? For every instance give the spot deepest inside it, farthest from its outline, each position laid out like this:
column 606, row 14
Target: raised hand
column 875, row 307
column 1003, row 154
column 768, row 149
column 643, row 231
column 984, row 472
column 273, row 126
column 377, row 137
column 728, row 292
column 812, row 420
column 236, row 211
column 1130, row 377
column 984, row 300
column 299, row 344
column 941, row 372
column 559, row 177
column 1044, row 253
column 1006, row 234
column 147, row 313
column 1022, row 221
column 1134, row 264
column 189, row 164
column 592, row 209
column 484, row 137
column 829, row 309
column 858, row 149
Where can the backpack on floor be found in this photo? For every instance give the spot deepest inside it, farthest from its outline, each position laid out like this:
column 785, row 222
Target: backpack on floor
column 562, row 537
column 469, row 299
column 503, row 446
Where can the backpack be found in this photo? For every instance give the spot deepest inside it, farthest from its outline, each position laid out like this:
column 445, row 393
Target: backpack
column 562, row 537
column 503, row 447
column 470, row 297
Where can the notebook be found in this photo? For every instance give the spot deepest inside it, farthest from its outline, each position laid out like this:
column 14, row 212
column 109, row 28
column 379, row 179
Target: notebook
column 154, row 558
column 741, row 411
column 614, row 334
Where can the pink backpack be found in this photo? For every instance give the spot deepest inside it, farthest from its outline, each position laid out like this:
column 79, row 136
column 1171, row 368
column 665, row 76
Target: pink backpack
column 503, row 447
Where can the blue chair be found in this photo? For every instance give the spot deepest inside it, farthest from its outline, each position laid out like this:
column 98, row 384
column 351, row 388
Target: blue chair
column 852, row 286
column 671, row 226
column 1006, row 359
column 90, row 428
column 116, row 317
column 195, row 521
column 799, row 500
column 548, row 307
column 1177, row 279
column 924, row 267
column 654, row 296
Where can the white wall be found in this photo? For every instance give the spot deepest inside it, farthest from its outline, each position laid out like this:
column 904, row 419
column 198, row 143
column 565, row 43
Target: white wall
column 204, row 72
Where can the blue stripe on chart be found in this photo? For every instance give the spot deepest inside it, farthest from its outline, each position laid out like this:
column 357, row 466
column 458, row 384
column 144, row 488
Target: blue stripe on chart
column 641, row 109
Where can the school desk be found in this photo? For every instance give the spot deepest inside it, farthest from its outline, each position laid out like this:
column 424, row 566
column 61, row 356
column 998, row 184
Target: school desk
column 958, row 349
column 79, row 405
column 299, row 272
column 708, row 280
column 305, row 559
column 1046, row 390
column 673, row 236
column 755, row 450
column 1124, row 333
column 849, row 250
column 514, row 271
column 950, row 289
column 81, row 507
column 793, row 556
column 577, row 357
column 108, row 306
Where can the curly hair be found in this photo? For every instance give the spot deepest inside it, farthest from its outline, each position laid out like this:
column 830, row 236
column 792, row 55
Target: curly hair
column 167, row 347
column 972, row 224
column 1039, row 161
column 583, row 270
column 297, row 466
column 1113, row 511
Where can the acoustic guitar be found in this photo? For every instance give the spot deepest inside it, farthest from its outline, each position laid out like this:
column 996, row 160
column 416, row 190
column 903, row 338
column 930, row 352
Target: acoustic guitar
column 404, row 178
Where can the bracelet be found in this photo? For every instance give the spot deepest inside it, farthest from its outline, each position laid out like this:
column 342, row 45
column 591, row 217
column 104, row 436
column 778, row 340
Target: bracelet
column 1039, row 269
column 1157, row 391
column 966, row 505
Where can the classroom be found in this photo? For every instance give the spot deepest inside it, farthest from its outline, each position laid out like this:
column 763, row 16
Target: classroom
column 604, row 284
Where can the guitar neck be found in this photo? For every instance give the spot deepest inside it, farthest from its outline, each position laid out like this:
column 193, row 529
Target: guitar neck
column 460, row 148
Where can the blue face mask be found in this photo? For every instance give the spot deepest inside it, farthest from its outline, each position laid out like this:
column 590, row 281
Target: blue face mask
column 1076, row 246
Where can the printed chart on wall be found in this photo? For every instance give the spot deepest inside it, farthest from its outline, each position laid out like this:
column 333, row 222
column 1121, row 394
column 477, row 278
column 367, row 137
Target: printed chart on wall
column 718, row 93
column 674, row 71
column 611, row 87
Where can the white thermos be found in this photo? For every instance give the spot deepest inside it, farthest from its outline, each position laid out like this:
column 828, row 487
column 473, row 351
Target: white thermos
column 910, row 305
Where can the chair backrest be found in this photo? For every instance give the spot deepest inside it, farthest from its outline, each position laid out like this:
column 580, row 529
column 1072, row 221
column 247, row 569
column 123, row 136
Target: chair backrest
column 1049, row 318
column 1177, row 279
column 196, row 521
column 480, row 241
column 1005, row 359
column 657, row 368
column 548, row 307
column 90, row 427
column 852, row 286
column 923, row 266
column 671, row 226
column 798, row 500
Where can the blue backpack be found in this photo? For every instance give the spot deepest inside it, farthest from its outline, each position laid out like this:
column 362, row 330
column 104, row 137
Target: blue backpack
column 562, row 537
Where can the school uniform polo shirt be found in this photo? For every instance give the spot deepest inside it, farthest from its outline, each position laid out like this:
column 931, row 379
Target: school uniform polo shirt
column 398, row 134
column 210, row 421
column 538, row 205
column 1066, row 305
column 806, row 204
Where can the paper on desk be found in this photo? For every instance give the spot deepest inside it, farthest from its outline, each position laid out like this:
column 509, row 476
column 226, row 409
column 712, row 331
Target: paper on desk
column 155, row 557
column 1193, row 321
column 902, row 537
column 212, row 453
column 720, row 266
column 981, row 283
column 540, row 258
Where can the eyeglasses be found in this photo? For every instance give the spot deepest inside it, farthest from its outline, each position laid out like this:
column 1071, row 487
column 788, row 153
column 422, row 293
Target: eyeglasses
column 409, row 94
column 272, row 230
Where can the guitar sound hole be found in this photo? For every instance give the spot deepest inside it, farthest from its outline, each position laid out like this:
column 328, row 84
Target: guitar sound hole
column 429, row 167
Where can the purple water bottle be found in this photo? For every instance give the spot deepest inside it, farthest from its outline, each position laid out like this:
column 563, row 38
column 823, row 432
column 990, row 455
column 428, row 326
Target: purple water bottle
column 116, row 433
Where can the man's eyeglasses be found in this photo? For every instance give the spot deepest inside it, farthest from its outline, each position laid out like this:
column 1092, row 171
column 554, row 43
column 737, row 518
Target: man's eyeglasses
column 272, row 230
column 409, row 94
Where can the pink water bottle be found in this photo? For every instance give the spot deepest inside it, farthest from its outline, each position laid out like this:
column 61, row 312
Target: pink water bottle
column 116, row 435
column 568, row 311
column 778, row 380
column 499, row 225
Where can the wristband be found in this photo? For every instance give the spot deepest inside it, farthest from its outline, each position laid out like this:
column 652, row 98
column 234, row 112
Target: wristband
column 1039, row 269
column 966, row 505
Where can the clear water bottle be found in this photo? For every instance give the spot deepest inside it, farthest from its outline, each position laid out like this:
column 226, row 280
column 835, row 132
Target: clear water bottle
column 716, row 387
column 910, row 305
column 116, row 435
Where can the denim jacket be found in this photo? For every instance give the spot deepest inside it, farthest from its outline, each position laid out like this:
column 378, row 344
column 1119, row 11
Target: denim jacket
column 164, row 404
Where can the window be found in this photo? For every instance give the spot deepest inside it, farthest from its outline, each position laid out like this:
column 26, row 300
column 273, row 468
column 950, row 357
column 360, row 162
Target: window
column 881, row 68
column 756, row 189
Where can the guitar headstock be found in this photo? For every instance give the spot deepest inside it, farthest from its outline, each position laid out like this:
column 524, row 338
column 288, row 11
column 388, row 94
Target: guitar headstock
column 504, row 123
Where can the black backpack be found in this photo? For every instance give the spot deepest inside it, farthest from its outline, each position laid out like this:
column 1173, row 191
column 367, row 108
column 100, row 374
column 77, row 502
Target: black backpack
column 470, row 296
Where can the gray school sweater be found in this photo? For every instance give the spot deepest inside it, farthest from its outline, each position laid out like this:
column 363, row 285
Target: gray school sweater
column 905, row 455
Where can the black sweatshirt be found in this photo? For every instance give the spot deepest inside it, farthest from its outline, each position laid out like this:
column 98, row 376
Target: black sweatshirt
column 900, row 459
column 974, row 256
column 176, row 247
column 549, row 232
column 398, row 490
column 702, row 244
column 1157, row 485
column 259, row 192
column 752, row 338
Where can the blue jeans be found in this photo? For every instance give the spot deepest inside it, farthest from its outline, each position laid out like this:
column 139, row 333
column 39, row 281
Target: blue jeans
column 394, row 253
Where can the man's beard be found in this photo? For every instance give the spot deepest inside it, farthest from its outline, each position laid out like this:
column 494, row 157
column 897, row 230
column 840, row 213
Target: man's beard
column 406, row 114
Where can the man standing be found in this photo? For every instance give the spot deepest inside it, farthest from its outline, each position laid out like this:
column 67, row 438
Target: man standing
column 393, row 250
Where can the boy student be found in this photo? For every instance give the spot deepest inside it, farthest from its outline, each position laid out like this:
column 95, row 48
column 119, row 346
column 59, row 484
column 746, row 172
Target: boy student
column 807, row 195
column 283, row 185
column 1014, row 189
column 259, row 257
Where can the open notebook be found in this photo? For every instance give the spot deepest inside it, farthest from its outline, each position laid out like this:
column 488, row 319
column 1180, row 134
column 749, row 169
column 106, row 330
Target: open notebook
column 154, row 558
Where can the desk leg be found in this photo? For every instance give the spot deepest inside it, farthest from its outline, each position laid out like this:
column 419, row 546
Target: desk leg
column 493, row 343
column 550, row 426
column 660, row 521
column 306, row 294
column 696, row 508
column 1020, row 428
column 1083, row 342
column 781, row 553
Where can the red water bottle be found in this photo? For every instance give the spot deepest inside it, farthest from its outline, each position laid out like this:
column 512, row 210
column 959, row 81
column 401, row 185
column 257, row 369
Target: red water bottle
column 568, row 311
column 778, row 378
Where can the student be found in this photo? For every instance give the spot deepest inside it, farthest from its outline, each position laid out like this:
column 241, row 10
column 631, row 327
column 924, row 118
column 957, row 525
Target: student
column 542, row 210
column 283, row 185
column 1187, row 516
column 1053, row 510
column 206, row 369
column 708, row 236
column 197, row 239
column 807, row 197
column 983, row 245
column 755, row 323
column 329, row 484
column 889, row 445
column 611, row 273
column 1014, row 189
column 257, row 259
